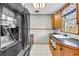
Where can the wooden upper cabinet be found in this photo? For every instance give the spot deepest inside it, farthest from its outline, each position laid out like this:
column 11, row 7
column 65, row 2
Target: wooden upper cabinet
column 53, row 22
column 78, row 13
column 67, row 12
column 57, row 21
column 58, row 49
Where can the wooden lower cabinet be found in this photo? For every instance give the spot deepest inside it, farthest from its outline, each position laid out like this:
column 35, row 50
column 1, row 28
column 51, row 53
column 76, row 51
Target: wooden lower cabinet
column 76, row 53
column 56, row 51
column 61, row 50
column 67, row 51
column 70, row 51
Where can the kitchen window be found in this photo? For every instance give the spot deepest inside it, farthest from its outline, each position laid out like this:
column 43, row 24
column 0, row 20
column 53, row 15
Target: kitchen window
column 69, row 19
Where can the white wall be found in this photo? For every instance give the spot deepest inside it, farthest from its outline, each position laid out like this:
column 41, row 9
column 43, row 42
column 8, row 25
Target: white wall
column 40, row 21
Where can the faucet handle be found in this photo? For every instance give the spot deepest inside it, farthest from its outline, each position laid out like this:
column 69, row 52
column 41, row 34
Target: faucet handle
column 65, row 34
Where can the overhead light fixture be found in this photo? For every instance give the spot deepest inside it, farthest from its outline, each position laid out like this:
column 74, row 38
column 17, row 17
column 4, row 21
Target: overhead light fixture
column 39, row 5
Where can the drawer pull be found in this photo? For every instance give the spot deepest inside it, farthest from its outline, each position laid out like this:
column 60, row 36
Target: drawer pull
column 61, row 49
column 53, row 47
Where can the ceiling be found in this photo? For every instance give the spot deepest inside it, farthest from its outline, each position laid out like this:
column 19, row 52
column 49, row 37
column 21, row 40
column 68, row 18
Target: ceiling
column 50, row 8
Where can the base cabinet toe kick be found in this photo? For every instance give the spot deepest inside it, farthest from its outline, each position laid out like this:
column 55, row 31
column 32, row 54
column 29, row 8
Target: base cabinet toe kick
column 58, row 48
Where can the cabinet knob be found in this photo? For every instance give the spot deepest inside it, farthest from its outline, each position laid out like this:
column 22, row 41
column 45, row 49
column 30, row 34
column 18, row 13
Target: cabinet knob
column 61, row 48
column 53, row 48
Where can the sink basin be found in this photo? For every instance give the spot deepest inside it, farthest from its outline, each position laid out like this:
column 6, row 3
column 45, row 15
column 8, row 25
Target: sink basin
column 61, row 36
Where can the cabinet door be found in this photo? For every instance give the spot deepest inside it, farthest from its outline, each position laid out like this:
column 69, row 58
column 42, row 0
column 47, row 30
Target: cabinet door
column 76, row 53
column 67, row 51
column 70, row 52
column 59, row 50
column 58, row 21
column 53, row 22
column 78, row 13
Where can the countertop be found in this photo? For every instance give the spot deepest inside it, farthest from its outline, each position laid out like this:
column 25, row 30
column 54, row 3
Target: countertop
column 65, row 40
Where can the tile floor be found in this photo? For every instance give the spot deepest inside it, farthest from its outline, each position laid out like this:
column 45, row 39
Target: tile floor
column 40, row 50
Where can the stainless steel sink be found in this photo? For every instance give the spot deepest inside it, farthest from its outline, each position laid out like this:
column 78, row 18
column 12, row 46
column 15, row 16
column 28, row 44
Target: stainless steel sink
column 61, row 36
